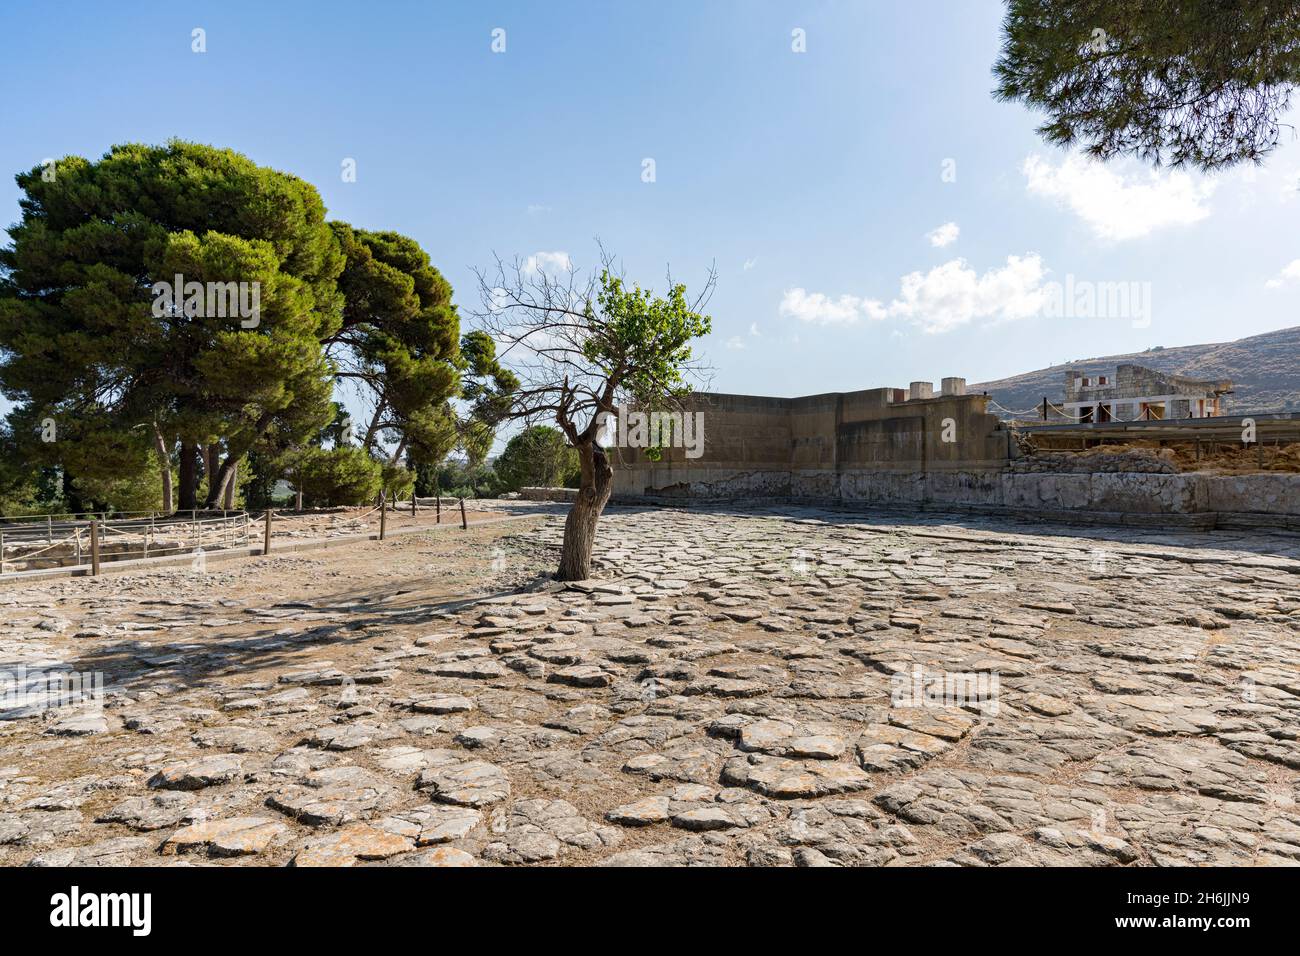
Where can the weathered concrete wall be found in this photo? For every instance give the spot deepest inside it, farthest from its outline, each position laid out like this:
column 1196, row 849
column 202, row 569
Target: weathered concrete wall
column 799, row 446
column 873, row 448
column 1261, row 500
column 1260, row 494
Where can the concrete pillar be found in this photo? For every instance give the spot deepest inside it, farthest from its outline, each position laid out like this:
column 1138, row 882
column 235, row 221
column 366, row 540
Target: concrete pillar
column 954, row 386
column 920, row 390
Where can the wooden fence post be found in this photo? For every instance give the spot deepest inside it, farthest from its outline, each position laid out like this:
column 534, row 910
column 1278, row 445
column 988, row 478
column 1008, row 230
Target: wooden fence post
column 412, row 504
column 383, row 515
column 464, row 524
column 266, row 538
column 438, row 504
column 94, row 546
column 2, row 552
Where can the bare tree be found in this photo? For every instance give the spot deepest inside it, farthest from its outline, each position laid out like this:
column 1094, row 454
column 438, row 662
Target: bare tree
column 582, row 347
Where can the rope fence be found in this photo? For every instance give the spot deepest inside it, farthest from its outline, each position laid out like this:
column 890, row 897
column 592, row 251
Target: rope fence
column 1036, row 413
column 39, row 542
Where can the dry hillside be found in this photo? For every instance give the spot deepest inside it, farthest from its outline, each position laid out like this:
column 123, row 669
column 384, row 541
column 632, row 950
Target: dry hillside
column 1265, row 369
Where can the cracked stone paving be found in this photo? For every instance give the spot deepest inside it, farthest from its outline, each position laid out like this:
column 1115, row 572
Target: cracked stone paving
column 730, row 688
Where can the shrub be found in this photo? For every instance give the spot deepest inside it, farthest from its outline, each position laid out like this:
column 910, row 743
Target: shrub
column 340, row 476
column 538, row 456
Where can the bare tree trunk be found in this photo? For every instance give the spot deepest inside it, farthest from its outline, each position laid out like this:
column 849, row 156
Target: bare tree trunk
column 232, row 481
column 189, row 477
column 164, row 467
column 580, row 526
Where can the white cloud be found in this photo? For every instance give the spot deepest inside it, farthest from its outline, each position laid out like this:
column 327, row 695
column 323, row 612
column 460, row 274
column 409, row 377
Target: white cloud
column 944, row 235
column 1291, row 186
column 547, row 262
column 948, row 296
column 1290, row 271
column 735, row 342
column 1115, row 205
column 953, row 294
column 753, row 329
column 749, row 264
column 536, row 209
column 819, row 308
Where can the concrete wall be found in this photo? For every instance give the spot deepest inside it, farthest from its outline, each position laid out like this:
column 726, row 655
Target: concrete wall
column 799, row 446
column 1268, row 501
column 873, row 448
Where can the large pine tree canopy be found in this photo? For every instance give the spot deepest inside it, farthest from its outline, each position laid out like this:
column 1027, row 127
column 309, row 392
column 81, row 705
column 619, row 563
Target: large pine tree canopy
column 1180, row 82
column 83, row 342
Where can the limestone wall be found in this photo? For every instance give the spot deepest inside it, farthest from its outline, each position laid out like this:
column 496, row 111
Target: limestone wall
column 1261, row 500
column 548, row 494
column 1277, row 494
column 872, row 448
column 798, row 446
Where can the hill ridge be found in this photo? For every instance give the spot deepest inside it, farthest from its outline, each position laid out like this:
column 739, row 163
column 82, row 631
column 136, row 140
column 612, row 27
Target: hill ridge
column 1264, row 368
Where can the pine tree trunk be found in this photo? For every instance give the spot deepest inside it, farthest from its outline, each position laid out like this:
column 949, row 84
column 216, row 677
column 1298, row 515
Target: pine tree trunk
column 232, row 483
column 211, row 461
column 217, row 481
column 397, row 455
column 71, row 494
column 189, row 476
column 580, row 526
column 164, row 468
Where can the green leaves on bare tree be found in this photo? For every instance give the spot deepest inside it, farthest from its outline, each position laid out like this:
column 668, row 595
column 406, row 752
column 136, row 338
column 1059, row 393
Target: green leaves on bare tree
column 580, row 347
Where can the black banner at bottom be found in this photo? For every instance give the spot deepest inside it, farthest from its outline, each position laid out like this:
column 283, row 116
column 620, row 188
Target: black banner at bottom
column 143, row 906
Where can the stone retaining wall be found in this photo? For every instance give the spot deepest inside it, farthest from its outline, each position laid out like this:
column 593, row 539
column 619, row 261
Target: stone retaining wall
column 549, row 494
column 1270, row 500
column 1141, row 462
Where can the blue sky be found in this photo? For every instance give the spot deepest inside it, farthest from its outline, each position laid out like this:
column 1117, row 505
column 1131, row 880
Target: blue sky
column 815, row 180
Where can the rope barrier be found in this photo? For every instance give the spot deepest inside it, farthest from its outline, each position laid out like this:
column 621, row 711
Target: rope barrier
column 1032, row 411
column 239, row 525
column 32, row 554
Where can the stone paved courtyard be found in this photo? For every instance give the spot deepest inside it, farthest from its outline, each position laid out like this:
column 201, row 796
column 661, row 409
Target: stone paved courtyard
column 731, row 689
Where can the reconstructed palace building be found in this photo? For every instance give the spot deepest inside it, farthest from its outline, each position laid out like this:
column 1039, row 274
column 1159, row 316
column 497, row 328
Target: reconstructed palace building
column 1136, row 394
